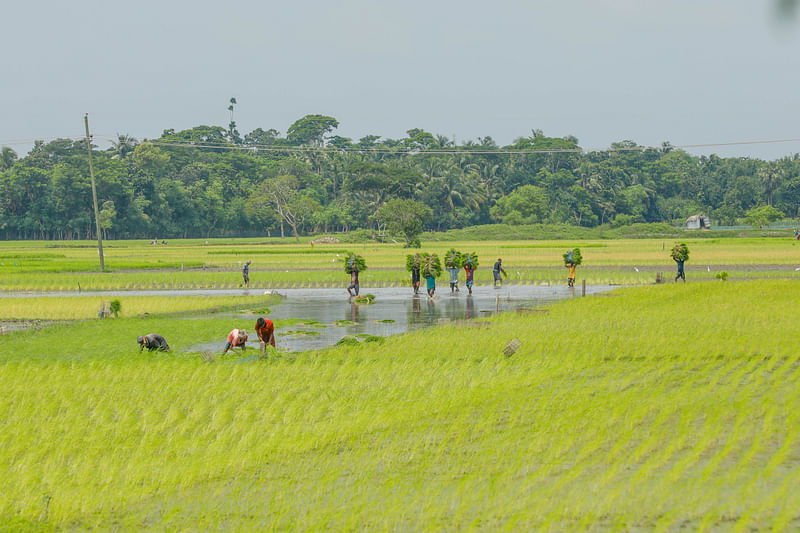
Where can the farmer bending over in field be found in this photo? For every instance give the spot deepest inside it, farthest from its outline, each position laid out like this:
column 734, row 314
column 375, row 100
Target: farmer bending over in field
column 353, row 282
column 236, row 338
column 152, row 341
column 498, row 268
column 265, row 330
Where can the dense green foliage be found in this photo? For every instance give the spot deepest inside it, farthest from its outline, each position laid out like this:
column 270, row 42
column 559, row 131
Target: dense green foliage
column 209, row 181
column 600, row 421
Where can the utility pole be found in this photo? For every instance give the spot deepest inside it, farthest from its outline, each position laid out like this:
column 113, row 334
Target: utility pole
column 94, row 195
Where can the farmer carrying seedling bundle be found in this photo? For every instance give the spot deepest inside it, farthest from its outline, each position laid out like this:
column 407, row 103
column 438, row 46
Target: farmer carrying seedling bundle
column 470, row 264
column 680, row 254
column 453, row 261
column 412, row 265
column 572, row 259
column 431, row 269
column 152, row 341
column 353, row 264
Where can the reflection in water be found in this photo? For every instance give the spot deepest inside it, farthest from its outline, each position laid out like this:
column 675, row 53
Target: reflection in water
column 394, row 311
column 432, row 314
column 353, row 313
column 470, row 308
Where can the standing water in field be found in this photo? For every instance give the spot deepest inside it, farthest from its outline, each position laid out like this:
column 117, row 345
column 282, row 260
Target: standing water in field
column 329, row 315
column 318, row 318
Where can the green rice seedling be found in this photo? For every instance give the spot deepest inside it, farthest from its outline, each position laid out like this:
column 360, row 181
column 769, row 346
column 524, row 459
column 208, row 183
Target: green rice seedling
column 426, row 428
column 353, row 261
column 680, row 252
column 116, row 307
column 297, row 332
column 431, row 266
column 573, row 257
column 413, row 261
column 453, row 259
column 471, row 258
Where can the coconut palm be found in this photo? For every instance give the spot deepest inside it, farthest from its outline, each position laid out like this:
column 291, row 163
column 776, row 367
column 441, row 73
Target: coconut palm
column 7, row 157
column 771, row 176
column 123, row 146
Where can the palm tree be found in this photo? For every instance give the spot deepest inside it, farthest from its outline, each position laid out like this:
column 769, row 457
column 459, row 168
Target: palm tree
column 771, row 176
column 123, row 146
column 7, row 157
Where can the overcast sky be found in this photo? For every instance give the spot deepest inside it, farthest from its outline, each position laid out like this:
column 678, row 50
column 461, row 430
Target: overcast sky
column 683, row 71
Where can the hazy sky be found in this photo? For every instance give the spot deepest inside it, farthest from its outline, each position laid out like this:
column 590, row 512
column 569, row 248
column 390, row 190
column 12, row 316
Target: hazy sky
column 683, row 71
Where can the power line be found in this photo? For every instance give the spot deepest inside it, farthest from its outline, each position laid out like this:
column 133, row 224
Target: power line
column 412, row 151
column 463, row 150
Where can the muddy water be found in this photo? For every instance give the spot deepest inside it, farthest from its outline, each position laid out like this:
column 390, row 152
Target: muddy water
column 396, row 310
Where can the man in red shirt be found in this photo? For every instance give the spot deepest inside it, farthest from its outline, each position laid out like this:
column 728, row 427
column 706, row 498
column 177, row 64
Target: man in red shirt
column 265, row 330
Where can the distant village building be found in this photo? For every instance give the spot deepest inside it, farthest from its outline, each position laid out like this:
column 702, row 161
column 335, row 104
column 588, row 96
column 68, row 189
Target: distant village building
column 698, row 222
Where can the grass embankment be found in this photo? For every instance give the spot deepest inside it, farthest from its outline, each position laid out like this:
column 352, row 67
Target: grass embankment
column 137, row 265
column 80, row 307
column 650, row 408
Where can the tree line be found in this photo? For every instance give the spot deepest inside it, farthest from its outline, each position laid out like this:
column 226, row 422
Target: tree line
column 210, row 181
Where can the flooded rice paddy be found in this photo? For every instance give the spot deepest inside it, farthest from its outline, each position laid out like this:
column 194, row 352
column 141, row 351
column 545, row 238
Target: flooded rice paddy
column 327, row 315
column 318, row 318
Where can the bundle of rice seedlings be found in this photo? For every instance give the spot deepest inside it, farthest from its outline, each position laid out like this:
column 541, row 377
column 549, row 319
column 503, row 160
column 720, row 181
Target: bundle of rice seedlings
column 431, row 266
column 413, row 261
column 354, row 261
column 680, row 252
column 453, row 259
column 573, row 257
column 470, row 258
column 365, row 299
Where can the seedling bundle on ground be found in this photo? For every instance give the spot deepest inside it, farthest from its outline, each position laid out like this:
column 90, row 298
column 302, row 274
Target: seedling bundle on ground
column 573, row 257
column 365, row 299
column 353, row 261
column 680, row 252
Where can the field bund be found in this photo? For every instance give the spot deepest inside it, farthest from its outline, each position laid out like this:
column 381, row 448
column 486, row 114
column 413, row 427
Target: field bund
column 644, row 408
